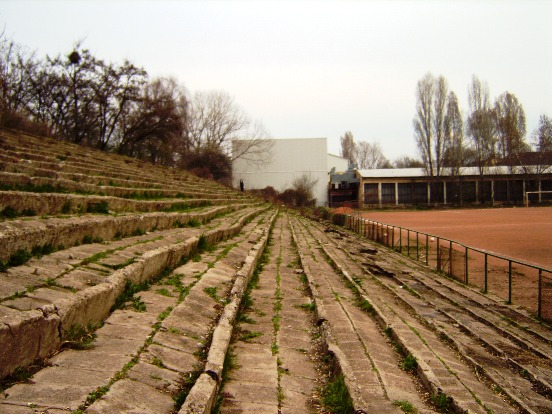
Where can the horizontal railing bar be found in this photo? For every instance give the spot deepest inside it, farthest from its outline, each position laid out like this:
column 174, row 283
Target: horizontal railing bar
column 482, row 251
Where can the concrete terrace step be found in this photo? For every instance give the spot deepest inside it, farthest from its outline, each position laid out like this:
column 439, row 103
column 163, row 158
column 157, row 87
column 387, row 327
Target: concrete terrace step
column 361, row 351
column 40, row 157
column 59, row 233
column 500, row 342
column 147, row 361
column 88, row 263
column 275, row 367
column 56, row 310
column 16, row 181
column 457, row 322
column 104, row 177
column 60, row 203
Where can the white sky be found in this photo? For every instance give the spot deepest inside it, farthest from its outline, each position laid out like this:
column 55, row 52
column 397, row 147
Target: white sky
column 312, row 68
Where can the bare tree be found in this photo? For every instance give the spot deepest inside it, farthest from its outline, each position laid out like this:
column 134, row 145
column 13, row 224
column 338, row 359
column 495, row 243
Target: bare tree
column 370, row 156
column 348, row 147
column 542, row 136
column 215, row 120
column 429, row 126
column 303, row 187
column 423, row 122
column 116, row 94
column 481, row 128
column 510, row 119
column 13, row 89
column 407, row 162
column 542, row 141
column 454, row 135
column 439, row 121
column 153, row 129
column 429, row 122
column 481, row 125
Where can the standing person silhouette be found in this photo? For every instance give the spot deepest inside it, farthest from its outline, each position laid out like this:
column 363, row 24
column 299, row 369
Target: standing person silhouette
column 242, row 185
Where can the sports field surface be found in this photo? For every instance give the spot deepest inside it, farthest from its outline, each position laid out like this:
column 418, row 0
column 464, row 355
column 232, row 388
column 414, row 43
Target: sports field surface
column 519, row 233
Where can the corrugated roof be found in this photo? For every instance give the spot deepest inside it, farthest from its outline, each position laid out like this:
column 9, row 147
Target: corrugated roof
column 421, row 172
column 392, row 172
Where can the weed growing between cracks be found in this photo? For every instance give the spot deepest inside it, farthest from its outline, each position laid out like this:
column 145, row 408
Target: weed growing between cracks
column 79, row 337
column 22, row 256
column 246, row 307
column 406, row 406
column 336, row 397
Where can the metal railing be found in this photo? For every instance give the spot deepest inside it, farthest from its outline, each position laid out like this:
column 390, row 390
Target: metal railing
column 515, row 281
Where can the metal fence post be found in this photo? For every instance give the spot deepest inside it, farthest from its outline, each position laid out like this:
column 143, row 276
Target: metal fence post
column 438, row 255
column 450, row 259
column 427, row 250
column 486, row 273
column 509, row 282
column 400, row 240
column 417, row 246
column 539, row 301
column 466, row 269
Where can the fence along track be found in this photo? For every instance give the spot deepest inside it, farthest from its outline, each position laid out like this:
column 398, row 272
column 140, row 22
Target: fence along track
column 148, row 354
column 487, row 270
column 367, row 360
column 398, row 307
column 521, row 369
column 514, row 323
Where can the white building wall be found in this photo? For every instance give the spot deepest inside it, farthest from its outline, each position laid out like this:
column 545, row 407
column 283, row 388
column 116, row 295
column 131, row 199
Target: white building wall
column 341, row 164
column 291, row 158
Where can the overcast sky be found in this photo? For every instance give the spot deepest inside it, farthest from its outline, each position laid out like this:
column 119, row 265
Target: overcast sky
column 312, row 68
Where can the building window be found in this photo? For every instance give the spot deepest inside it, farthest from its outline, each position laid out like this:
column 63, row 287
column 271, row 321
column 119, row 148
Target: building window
column 388, row 193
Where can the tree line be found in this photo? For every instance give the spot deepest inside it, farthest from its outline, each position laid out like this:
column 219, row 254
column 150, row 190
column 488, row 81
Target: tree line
column 369, row 155
column 117, row 107
column 493, row 133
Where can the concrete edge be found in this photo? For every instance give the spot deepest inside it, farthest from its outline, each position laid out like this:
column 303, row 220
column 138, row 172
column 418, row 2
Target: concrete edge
column 56, row 203
column 92, row 305
column 69, row 233
column 202, row 397
column 339, row 361
column 424, row 371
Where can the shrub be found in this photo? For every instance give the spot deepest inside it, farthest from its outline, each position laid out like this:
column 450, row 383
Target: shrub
column 98, row 208
column 9, row 212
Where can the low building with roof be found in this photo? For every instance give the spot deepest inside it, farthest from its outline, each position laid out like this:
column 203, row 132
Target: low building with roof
column 498, row 184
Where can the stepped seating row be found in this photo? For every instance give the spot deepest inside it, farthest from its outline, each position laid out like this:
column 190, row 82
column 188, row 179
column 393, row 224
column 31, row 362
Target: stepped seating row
column 66, row 258
column 79, row 286
column 146, row 360
column 39, row 157
column 88, row 176
column 40, row 204
column 27, row 236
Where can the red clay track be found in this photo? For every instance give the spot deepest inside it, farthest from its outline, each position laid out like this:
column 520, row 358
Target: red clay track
column 519, row 233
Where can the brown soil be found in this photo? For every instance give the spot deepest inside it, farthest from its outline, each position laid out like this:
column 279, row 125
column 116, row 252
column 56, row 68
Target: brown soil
column 519, row 233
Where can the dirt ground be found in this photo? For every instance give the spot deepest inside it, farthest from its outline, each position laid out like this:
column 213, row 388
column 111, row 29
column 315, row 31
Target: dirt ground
column 520, row 233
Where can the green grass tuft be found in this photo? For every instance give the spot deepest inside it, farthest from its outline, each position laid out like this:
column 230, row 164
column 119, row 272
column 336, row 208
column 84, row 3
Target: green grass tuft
column 405, row 406
column 336, row 397
column 409, row 363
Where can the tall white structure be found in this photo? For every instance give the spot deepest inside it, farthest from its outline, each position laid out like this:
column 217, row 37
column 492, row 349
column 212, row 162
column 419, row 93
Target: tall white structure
column 289, row 159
